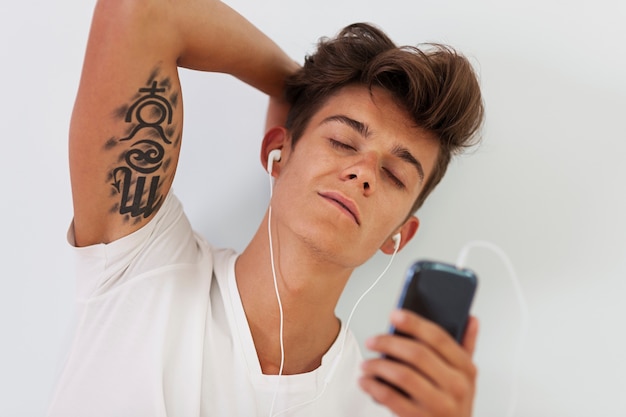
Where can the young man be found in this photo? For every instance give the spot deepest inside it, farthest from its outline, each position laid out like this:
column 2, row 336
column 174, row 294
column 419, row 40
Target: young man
column 170, row 326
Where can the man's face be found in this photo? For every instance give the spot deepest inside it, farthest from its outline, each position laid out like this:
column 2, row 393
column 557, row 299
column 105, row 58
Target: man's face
column 351, row 180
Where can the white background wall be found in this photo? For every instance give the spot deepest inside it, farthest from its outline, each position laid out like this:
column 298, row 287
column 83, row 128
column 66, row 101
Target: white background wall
column 547, row 185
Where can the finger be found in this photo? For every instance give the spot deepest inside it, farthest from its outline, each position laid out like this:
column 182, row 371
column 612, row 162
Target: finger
column 418, row 356
column 419, row 395
column 413, row 384
column 385, row 395
column 434, row 336
column 471, row 335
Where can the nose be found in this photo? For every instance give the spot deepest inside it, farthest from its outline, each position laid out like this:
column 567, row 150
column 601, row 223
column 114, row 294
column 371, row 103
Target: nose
column 363, row 172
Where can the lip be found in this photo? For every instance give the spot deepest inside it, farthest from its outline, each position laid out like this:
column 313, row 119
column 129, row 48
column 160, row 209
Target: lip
column 344, row 203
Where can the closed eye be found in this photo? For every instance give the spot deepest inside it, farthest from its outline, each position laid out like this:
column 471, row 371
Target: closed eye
column 394, row 179
column 340, row 145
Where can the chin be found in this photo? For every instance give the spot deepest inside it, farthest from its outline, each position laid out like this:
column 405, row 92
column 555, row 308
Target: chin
column 327, row 248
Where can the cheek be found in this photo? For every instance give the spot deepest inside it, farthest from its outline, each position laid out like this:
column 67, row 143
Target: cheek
column 391, row 215
column 295, row 182
column 307, row 164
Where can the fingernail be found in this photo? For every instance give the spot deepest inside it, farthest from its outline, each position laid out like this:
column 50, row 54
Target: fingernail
column 397, row 316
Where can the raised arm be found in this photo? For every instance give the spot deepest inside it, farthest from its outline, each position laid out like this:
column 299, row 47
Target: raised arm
column 126, row 128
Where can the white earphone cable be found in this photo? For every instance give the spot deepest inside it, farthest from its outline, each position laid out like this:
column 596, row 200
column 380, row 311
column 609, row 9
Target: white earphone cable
column 280, row 307
column 463, row 255
column 280, row 304
column 343, row 342
column 524, row 314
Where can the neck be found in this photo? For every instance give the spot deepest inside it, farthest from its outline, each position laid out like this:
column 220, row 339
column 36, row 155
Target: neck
column 309, row 290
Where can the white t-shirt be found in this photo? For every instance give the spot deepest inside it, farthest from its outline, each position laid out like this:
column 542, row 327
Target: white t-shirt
column 161, row 331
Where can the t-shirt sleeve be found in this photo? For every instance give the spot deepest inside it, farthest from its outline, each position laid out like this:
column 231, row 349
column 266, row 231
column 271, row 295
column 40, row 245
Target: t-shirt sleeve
column 166, row 240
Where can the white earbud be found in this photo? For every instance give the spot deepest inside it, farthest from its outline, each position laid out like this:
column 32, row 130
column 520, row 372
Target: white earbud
column 397, row 238
column 273, row 156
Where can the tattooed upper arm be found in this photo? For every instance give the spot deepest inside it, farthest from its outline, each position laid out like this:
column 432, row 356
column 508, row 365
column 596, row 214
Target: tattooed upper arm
column 126, row 127
column 127, row 122
column 129, row 175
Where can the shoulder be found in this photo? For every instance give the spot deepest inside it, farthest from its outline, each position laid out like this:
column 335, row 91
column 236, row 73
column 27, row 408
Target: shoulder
column 164, row 247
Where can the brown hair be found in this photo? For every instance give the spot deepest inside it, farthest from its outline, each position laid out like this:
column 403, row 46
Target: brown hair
column 435, row 84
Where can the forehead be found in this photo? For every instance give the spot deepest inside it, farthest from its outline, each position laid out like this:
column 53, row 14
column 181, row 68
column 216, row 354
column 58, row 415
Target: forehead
column 374, row 104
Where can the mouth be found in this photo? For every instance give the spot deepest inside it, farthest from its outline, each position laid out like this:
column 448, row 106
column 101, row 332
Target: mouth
column 346, row 204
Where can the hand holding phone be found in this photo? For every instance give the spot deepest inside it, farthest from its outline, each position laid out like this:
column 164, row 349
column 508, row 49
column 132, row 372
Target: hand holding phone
column 428, row 370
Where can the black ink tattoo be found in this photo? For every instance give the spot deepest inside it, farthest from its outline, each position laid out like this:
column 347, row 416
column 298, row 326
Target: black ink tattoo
column 139, row 179
column 157, row 109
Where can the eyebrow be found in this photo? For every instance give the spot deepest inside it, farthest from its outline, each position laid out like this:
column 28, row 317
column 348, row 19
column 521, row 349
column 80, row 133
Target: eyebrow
column 363, row 130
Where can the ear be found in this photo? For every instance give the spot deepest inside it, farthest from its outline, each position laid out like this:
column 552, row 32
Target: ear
column 275, row 138
column 407, row 231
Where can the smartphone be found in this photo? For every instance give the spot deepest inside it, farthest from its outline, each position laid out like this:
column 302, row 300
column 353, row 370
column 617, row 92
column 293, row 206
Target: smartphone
column 441, row 293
